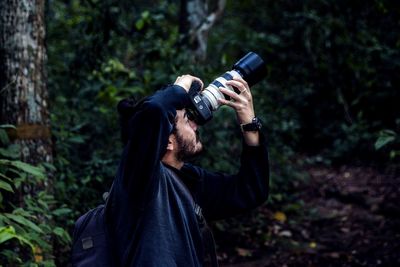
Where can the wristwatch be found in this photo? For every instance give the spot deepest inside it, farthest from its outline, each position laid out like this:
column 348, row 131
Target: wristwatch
column 253, row 126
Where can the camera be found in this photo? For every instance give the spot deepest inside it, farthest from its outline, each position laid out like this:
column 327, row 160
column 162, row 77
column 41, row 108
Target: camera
column 251, row 68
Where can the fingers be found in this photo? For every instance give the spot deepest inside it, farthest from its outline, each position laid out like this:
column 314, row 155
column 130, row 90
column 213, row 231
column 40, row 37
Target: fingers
column 244, row 94
column 238, row 101
column 240, row 80
column 234, row 96
column 242, row 102
column 199, row 80
column 241, row 85
column 232, row 104
column 186, row 81
column 177, row 78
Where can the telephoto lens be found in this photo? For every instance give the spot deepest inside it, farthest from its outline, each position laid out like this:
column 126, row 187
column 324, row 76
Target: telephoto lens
column 251, row 68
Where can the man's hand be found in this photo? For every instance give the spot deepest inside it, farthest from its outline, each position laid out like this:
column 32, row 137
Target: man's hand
column 243, row 104
column 185, row 81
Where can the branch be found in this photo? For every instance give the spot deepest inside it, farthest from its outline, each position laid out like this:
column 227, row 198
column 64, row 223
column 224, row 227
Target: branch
column 201, row 23
column 210, row 20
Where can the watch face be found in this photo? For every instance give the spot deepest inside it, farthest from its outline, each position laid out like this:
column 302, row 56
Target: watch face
column 257, row 122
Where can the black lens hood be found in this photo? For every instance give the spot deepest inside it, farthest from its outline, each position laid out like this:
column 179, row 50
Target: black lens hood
column 252, row 68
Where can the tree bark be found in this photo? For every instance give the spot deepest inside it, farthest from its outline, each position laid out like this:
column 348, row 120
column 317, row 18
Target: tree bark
column 23, row 91
column 197, row 20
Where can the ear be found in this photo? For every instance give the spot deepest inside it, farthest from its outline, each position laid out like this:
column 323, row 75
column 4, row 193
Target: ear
column 171, row 142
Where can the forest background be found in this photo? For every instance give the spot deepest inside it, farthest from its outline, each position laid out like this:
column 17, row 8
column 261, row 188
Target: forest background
column 329, row 106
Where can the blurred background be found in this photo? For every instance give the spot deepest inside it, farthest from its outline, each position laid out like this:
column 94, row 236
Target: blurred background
column 329, row 106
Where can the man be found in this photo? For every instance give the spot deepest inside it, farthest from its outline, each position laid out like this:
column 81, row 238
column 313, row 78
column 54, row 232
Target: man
column 153, row 213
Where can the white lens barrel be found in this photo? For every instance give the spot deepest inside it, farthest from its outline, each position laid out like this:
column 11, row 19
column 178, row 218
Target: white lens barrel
column 212, row 92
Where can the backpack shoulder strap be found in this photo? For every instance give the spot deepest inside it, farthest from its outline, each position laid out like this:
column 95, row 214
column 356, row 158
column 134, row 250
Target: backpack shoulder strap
column 206, row 234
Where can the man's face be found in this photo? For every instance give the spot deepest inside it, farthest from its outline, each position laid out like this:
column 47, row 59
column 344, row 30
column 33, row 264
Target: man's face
column 187, row 138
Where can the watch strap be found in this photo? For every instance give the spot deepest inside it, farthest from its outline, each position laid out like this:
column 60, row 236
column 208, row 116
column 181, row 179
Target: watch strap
column 253, row 126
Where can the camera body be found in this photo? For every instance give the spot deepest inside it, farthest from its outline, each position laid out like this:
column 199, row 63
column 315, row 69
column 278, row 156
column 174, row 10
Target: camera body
column 251, row 68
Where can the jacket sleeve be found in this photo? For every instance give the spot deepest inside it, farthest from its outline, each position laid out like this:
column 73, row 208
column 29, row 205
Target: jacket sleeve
column 221, row 195
column 149, row 129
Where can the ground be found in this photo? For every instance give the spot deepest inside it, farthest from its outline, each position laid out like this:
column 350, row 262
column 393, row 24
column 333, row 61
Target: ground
column 343, row 216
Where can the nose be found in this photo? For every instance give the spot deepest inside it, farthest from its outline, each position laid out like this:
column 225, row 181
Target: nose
column 193, row 125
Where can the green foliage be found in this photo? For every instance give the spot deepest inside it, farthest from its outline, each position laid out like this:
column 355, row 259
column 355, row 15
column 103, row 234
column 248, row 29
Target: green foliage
column 332, row 68
column 385, row 137
column 26, row 221
column 390, row 141
column 8, row 233
column 332, row 85
column 138, row 54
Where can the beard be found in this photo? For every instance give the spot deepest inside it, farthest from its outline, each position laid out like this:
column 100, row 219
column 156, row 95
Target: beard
column 188, row 149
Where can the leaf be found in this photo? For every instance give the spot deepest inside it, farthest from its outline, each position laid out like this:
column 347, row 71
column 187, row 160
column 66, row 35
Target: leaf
column 220, row 226
column 21, row 212
column 11, row 152
column 25, row 167
column 139, row 24
column 38, row 254
column 78, row 139
column 50, row 167
column 61, row 211
column 145, row 14
column 8, row 232
column 35, row 171
column 4, row 137
column 244, row 252
column 293, row 207
column 334, row 255
column 385, row 137
column 394, row 153
column 285, row 233
column 62, row 233
column 7, row 126
column 39, row 240
column 280, row 216
column 6, row 186
column 24, row 221
column 58, row 231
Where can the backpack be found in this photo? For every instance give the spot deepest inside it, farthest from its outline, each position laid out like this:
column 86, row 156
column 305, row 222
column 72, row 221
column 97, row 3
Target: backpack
column 90, row 247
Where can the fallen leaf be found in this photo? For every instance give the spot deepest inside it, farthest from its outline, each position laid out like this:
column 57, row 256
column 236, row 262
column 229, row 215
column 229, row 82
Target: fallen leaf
column 285, row 233
column 313, row 245
column 38, row 254
column 244, row 252
column 345, row 230
column 334, row 255
column 280, row 216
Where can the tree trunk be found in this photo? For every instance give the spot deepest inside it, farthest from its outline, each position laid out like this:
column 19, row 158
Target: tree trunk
column 23, row 91
column 196, row 20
